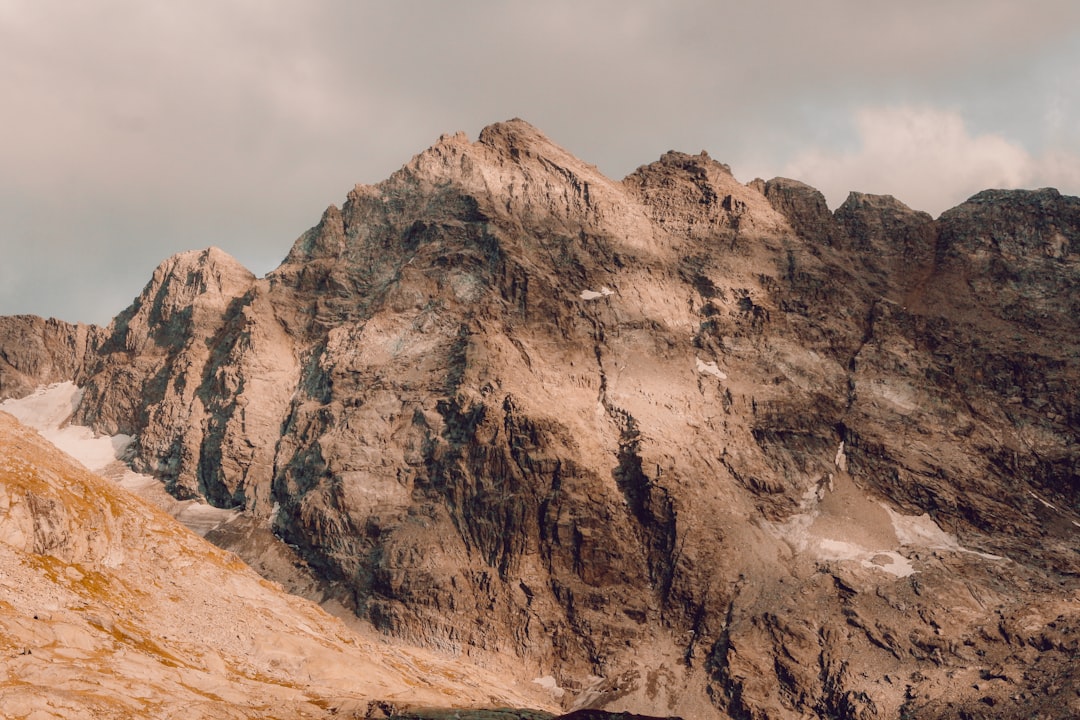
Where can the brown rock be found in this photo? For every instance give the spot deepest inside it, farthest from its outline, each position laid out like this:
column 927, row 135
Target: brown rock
column 683, row 445
column 35, row 352
column 110, row 608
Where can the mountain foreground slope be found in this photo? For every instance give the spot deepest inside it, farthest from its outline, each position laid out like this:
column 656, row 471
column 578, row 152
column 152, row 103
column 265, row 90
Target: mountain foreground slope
column 681, row 445
column 111, row 609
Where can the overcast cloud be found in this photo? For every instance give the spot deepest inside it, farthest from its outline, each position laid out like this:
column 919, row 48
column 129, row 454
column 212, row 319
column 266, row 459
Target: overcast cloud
column 133, row 129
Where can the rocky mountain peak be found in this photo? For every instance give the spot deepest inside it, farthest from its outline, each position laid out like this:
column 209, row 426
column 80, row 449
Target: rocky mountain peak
column 326, row 239
column 686, row 161
column 1041, row 196
column 874, row 223
column 1020, row 222
column 516, row 136
column 207, row 275
column 803, row 206
column 879, row 210
column 512, row 142
column 514, row 156
column 627, row 432
column 1015, row 251
column 184, row 291
column 695, row 196
column 210, row 270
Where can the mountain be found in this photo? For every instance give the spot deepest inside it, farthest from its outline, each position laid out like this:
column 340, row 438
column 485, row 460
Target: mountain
column 678, row 444
column 111, row 609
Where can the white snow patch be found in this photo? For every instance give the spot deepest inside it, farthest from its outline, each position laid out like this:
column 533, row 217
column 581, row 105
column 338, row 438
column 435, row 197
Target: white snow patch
column 839, row 550
column 1045, row 503
column 551, row 685
column 201, row 518
column 891, row 562
column 921, row 530
column 49, row 409
column 1076, row 523
column 594, row 295
column 710, row 368
column 196, row 515
column 800, row 536
column 901, row 396
column 796, row 531
column 94, row 451
column 817, row 532
column 841, row 459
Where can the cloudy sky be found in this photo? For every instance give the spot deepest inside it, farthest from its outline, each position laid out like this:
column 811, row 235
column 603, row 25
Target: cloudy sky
column 134, row 129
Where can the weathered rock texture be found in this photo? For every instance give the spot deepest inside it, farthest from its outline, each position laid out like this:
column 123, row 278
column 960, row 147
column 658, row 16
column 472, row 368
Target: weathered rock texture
column 686, row 445
column 35, row 352
column 111, row 609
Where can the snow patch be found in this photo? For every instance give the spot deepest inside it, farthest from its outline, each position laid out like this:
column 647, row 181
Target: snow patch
column 1044, row 502
column 48, row 407
column 828, row 549
column 841, row 459
column 201, row 518
column 902, row 397
column 594, row 295
column 891, row 562
column 551, row 685
column 49, row 410
column 710, row 368
column 921, row 530
column 841, row 523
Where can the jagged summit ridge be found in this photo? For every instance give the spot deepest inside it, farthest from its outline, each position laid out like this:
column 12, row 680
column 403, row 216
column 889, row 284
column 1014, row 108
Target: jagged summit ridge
column 631, row 430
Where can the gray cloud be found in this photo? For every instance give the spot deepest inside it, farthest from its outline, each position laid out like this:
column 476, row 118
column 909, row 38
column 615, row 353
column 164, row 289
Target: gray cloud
column 132, row 130
column 916, row 144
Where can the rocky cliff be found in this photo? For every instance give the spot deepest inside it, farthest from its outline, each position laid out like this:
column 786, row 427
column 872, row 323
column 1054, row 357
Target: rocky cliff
column 680, row 444
column 110, row 609
column 35, row 352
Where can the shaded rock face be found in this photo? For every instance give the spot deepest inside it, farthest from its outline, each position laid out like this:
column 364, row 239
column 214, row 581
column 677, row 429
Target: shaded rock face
column 111, row 609
column 35, row 352
column 177, row 369
column 685, row 445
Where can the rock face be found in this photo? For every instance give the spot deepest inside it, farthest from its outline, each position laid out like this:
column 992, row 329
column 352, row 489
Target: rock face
column 680, row 444
column 178, row 369
column 36, row 352
column 110, row 609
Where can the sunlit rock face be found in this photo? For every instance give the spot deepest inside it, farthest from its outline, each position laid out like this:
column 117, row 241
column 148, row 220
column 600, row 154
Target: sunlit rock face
column 677, row 444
